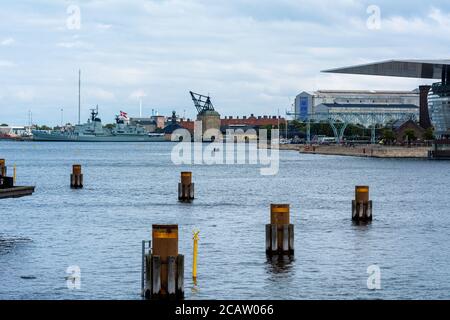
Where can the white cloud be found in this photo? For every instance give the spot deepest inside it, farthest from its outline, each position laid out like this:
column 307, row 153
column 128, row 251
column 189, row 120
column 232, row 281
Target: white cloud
column 116, row 74
column 7, row 42
column 104, row 26
column 137, row 94
column 442, row 19
column 6, row 64
column 71, row 44
column 100, row 94
column 24, row 94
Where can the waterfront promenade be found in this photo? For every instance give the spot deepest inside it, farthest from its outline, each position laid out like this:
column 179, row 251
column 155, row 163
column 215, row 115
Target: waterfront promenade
column 375, row 151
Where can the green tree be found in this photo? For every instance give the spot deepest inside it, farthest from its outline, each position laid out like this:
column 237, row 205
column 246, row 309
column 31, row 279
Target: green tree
column 297, row 125
column 109, row 126
column 43, row 127
column 321, row 128
column 388, row 135
column 354, row 131
column 410, row 135
column 428, row 134
column 3, row 125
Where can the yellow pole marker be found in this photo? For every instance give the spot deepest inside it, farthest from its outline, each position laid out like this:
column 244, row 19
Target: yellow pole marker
column 194, row 261
column 14, row 173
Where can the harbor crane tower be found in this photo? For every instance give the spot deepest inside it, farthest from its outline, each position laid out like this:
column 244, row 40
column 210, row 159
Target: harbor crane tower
column 209, row 117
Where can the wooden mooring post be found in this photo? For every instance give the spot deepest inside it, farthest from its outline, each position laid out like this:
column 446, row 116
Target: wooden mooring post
column 362, row 206
column 7, row 184
column 2, row 167
column 5, row 181
column 76, row 178
column 280, row 232
column 164, row 267
column 186, row 187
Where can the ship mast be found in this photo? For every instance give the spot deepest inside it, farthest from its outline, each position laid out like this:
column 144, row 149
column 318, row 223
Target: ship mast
column 79, row 96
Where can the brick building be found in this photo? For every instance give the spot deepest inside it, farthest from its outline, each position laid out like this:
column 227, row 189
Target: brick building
column 251, row 121
column 400, row 129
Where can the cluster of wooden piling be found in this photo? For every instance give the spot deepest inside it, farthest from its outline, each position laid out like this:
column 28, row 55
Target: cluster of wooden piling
column 362, row 206
column 280, row 232
column 7, row 184
column 2, row 167
column 163, row 277
column 5, row 181
column 76, row 178
column 164, row 267
column 186, row 187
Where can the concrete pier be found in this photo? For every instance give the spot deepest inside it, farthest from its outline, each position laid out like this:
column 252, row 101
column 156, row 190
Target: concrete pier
column 16, row 192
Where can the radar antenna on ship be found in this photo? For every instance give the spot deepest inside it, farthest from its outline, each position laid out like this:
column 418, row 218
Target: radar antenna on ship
column 119, row 120
column 94, row 113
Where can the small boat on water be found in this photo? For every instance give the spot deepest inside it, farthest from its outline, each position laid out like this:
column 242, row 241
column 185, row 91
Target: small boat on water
column 94, row 131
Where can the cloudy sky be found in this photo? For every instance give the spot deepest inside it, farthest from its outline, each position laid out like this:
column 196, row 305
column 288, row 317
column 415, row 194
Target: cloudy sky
column 251, row 56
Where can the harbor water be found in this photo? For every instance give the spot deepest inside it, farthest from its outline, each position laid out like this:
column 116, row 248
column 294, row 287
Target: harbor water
column 130, row 186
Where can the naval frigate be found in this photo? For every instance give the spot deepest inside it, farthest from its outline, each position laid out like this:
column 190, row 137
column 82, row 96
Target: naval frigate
column 94, row 131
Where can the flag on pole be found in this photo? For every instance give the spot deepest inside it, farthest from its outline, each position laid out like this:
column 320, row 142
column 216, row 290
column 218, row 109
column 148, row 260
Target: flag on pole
column 124, row 114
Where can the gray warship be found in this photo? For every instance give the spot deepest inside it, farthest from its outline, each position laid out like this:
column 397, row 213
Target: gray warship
column 93, row 131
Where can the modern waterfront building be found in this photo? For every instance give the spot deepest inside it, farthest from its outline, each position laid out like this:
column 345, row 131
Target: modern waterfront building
column 438, row 96
column 439, row 105
column 367, row 108
column 308, row 104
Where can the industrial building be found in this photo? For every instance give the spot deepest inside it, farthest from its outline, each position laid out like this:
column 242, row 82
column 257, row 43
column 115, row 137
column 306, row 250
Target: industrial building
column 308, row 104
column 401, row 128
column 438, row 97
column 150, row 124
column 243, row 123
column 367, row 108
column 211, row 119
column 14, row 131
column 253, row 121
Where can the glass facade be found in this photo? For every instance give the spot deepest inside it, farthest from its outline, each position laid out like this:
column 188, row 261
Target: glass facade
column 361, row 101
column 439, row 109
column 369, row 108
